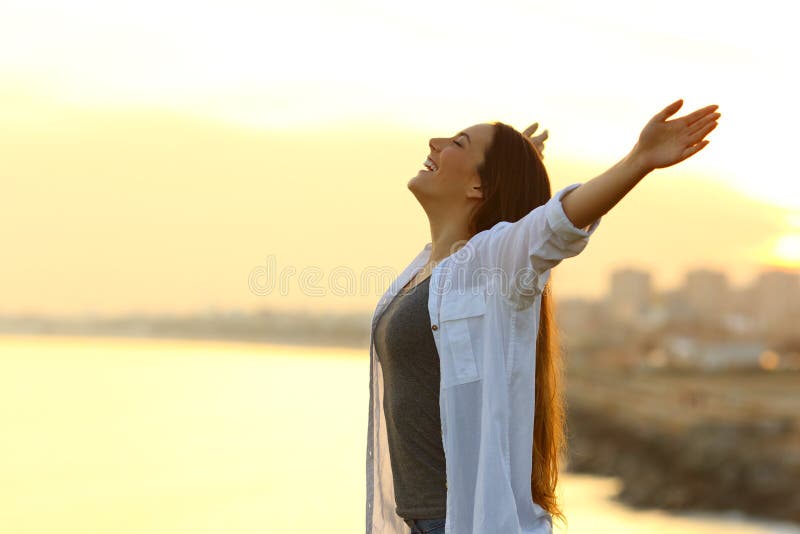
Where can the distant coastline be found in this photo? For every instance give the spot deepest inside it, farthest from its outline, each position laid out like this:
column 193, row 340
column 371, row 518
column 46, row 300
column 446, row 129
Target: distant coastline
column 346, row 330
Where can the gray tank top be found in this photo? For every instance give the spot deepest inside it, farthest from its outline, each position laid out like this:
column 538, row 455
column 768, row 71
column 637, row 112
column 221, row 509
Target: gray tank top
column 410, row 365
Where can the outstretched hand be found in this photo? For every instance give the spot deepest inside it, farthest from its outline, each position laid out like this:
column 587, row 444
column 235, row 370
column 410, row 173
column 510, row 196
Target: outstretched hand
column 536, row 140
column 664, row 143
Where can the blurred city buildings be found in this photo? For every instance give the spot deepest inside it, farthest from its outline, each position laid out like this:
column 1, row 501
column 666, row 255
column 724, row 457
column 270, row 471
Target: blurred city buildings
column 706, row 323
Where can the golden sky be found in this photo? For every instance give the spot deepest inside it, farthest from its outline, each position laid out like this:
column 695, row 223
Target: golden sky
column 155, row 154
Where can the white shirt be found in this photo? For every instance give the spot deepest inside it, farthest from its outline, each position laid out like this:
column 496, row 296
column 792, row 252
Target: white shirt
column 484, row 304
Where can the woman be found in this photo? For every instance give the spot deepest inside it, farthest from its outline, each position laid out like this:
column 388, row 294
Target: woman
column 464, row 342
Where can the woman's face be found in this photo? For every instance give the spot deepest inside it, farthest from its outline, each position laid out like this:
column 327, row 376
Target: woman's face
column 456, row 160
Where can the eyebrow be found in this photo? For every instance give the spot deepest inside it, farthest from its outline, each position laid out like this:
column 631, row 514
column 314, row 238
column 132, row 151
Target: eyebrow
column 465, row 134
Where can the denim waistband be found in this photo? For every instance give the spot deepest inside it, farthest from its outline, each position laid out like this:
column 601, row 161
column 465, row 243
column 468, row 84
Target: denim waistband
column 424, row 524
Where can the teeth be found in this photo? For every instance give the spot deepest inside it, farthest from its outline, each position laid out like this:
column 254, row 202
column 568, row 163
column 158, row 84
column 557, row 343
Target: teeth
column 430, row 164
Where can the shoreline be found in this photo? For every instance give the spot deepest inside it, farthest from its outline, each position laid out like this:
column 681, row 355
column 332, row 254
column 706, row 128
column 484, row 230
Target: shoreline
column 673, row 451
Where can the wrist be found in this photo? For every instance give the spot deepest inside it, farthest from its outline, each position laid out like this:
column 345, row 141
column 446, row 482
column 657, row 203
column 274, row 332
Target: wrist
column 638, row 162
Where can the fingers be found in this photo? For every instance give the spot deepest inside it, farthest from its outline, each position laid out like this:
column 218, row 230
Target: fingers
column 541, row 137
column 530, row 129
column 668, row 111
column 536, row 141
column 699, row 114
column 697, row 136
column 701, row 123
column 694, row 149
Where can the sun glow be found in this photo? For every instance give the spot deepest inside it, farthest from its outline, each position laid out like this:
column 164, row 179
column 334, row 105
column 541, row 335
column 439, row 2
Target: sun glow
column 259, row 109
column 786, row 251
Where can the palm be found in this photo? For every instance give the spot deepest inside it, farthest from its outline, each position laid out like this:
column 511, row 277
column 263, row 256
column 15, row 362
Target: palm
column 663, row 143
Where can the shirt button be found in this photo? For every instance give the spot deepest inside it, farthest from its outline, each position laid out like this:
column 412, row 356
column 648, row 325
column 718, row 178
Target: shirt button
column 434, row 327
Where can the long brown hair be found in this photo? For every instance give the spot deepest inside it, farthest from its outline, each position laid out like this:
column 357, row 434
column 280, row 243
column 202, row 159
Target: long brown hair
column 514, row 181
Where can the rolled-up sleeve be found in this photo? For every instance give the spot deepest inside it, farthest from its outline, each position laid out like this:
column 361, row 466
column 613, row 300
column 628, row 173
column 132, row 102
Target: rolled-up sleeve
column 524, row 251
column 572, row 239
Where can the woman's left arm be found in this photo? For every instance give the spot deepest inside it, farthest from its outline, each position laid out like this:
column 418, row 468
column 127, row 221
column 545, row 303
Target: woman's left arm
column 662, row 143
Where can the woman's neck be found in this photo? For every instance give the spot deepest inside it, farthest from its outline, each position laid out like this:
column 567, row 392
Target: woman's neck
column 448, row 232
column 444, row 246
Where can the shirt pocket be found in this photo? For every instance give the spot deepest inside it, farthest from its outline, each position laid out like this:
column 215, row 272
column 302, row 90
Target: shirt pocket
column 459, row 318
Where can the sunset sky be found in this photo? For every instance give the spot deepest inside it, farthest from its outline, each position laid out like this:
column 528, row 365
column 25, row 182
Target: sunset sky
column 154, row 154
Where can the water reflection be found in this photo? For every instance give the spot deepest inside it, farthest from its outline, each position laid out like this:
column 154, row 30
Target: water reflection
column 124, row 436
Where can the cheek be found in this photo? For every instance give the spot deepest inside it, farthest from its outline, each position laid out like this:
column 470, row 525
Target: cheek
column 449, row 183
column 455, row 160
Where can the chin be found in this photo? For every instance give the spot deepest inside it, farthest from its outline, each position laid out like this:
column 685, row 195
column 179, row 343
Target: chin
column 415, row 186
column 421, row 175
column 421, row 182
column 413, row 183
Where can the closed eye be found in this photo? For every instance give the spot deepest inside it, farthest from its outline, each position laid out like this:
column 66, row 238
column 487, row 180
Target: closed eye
column 456, row 142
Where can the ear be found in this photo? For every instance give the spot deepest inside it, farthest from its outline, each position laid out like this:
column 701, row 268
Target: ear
column 474, row 191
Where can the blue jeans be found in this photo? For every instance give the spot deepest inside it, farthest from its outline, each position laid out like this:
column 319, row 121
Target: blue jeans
column 426, row 526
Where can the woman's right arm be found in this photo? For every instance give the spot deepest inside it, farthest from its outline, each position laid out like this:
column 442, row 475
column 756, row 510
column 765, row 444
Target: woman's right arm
column 661, row 144
column 526, row 249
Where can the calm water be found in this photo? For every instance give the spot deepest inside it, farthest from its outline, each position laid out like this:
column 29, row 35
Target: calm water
column 130, row 436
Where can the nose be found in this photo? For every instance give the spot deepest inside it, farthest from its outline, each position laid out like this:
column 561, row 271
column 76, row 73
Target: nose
column 430, row 144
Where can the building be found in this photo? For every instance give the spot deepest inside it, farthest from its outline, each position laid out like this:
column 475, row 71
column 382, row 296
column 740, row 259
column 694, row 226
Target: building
column 630, row 295
column 776, row 300
column 707, row 293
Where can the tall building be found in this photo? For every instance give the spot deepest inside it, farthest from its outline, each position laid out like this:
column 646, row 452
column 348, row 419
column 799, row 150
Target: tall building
column 776, row 299
column 630, row 295
column 707, row 292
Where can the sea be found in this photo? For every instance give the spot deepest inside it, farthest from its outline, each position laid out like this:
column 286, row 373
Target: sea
column 160, row 436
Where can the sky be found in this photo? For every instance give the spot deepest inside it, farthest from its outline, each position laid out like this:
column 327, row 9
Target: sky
column 161, row 156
